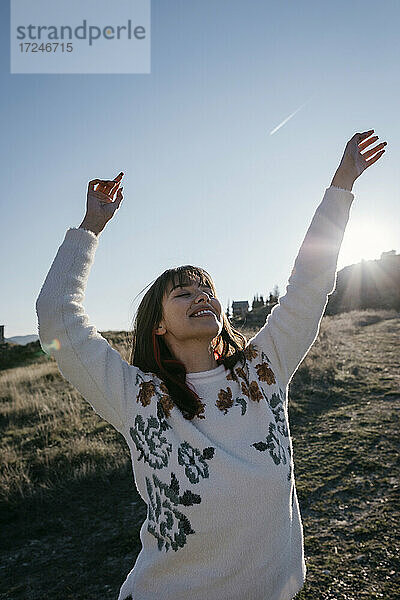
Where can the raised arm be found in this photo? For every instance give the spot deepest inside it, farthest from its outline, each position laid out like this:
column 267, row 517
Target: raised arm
column 293, row 325
column 83, row 356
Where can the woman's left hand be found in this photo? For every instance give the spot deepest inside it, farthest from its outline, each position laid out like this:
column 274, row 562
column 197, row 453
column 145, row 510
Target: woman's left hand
column 353, row 163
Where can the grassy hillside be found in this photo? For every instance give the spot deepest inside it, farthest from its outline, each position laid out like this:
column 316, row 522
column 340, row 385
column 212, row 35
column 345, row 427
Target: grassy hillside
column 70, row 515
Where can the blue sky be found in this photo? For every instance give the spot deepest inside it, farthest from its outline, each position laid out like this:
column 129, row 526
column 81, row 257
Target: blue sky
column 205, row 181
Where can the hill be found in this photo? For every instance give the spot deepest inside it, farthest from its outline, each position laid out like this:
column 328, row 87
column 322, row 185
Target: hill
column 22, row 339
column 368, row 284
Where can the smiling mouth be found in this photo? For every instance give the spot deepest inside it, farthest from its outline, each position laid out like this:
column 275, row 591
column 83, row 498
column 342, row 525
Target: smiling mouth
column 207, row 313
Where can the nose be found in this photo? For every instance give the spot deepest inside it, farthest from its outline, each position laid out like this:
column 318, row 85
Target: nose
column 202, row 295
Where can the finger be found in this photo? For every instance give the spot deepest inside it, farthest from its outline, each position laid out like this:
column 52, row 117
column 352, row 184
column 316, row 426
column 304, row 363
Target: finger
column 117, row 180
column 360, row 137
column 373, row 150
column 92, row 183
column 101, row 189
column 109, row 184
column 101, row 185
column 374, row 159
column 367, row 142
column 106, row 187
column 114, row 189
column 119, row 198
column 112, row 192
column 365, row 134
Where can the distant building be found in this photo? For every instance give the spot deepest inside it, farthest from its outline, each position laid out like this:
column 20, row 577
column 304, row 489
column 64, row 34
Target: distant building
column 240, row 309
column 257, row 301
column 1, row 334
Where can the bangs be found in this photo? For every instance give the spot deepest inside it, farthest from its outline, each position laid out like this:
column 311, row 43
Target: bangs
column 186, row 275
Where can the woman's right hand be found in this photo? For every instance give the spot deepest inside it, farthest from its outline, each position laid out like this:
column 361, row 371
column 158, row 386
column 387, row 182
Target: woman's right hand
column 101, row 205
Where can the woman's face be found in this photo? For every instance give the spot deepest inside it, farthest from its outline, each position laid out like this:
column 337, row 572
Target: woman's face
column 181, row 307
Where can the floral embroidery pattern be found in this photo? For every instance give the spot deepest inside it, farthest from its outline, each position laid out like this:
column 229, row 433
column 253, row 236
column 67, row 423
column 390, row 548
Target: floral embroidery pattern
column 250, row 352
column 147, row 389
column 167, row 405
column 252, row 391
column 277, row 430
column 273, row 445
column 149, row 441
column 265, row 373
column 241, row 373
column 242, row 402
column 165, row 400
column 194, row 461
column 279, row 414
column 146, row 392
column 225, row 400
column 282, row 395
column 168, row 525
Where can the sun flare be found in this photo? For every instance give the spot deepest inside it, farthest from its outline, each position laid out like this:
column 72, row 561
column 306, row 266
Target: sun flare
column 365, row 240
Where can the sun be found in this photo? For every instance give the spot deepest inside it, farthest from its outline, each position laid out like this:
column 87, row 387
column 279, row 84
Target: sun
column 365, row 239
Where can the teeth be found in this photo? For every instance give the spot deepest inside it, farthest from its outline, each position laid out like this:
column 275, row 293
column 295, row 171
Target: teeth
column 203, row 312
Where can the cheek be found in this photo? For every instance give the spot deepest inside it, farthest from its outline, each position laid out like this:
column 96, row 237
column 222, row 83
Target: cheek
column 174, row 313
column 218, row 306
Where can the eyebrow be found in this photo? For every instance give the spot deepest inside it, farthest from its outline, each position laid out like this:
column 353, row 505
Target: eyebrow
column 185, row 285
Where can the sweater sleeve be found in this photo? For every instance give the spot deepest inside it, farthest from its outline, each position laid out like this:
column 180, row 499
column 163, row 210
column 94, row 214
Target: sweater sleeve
column 293, row 324
column 83, row 356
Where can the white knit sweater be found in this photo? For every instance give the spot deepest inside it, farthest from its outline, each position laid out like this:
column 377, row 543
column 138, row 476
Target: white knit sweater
column 223, row 519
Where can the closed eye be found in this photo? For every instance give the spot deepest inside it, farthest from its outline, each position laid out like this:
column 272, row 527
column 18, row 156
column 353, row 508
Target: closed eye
column 209, row 292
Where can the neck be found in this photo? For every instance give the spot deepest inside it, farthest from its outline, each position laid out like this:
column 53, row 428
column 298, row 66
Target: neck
column 195, row 356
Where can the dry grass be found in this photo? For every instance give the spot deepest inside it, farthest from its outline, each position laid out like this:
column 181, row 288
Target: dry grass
column 49, row 434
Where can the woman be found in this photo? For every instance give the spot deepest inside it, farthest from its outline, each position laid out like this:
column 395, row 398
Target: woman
column 205, row 414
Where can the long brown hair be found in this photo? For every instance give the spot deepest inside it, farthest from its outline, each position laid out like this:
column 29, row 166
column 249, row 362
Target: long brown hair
column 151, row 354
